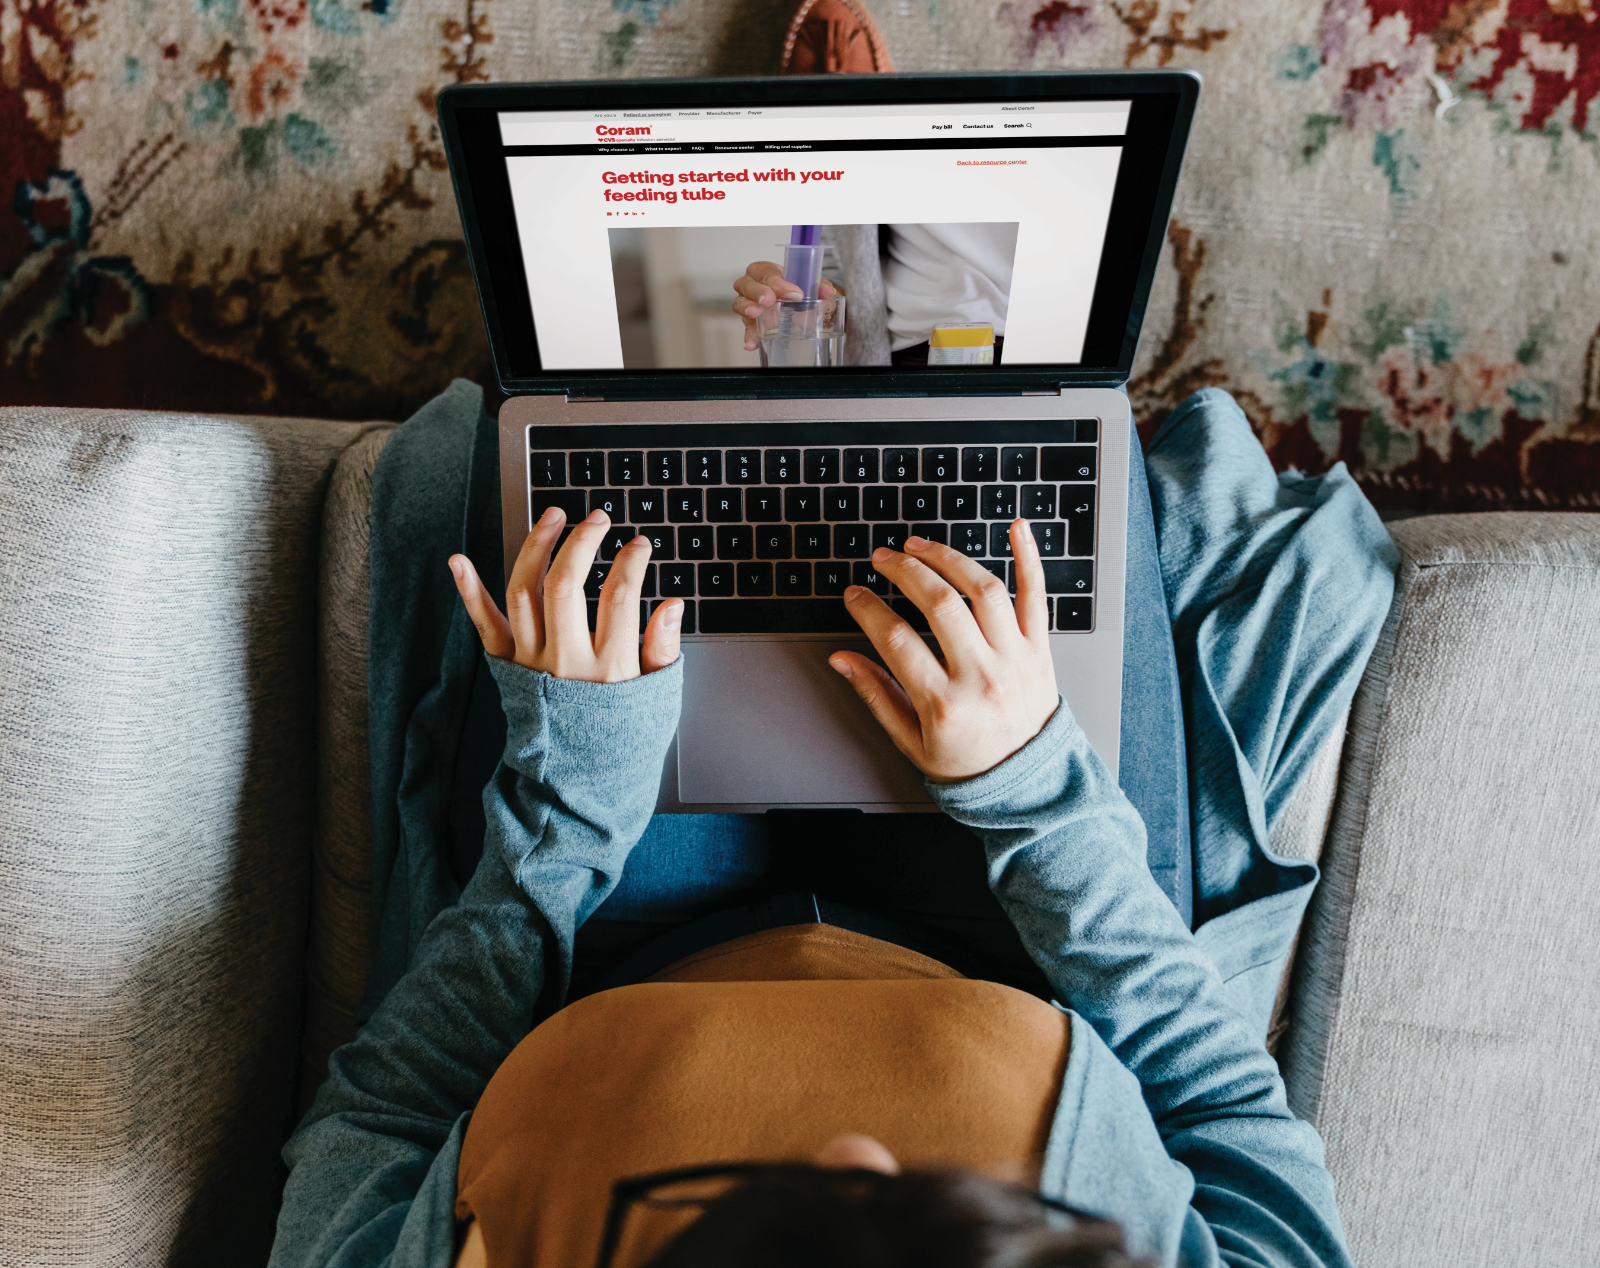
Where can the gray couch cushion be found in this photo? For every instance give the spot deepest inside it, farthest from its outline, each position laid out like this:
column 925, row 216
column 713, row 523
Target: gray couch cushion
column 157, row 748
column 1446, row 998
column 340, row 952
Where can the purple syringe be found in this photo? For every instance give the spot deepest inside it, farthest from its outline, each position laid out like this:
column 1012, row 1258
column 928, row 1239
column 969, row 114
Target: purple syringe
column 802, row 262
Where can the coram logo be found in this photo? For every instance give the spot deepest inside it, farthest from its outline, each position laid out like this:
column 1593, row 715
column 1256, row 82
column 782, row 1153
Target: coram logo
column 602, row 130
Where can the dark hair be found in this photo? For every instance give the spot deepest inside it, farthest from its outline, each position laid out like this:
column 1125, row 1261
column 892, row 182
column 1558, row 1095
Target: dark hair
column 805, row 1217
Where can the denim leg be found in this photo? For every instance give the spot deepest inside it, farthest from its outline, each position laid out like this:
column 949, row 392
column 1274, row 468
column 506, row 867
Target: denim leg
column 1153, row 763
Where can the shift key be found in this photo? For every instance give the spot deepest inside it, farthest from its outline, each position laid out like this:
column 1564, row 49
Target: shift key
column 1062, row 576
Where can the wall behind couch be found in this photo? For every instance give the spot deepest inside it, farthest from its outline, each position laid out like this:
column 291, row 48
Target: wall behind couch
column 1384, row 244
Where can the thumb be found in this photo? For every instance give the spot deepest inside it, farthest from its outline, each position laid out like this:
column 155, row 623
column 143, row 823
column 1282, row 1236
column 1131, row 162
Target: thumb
column 660, row 647
column 886, row 699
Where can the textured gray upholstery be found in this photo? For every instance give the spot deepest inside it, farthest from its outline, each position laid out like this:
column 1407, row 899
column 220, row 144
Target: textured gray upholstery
column 340, row 952
column 157, row 746
column 1446, row 1012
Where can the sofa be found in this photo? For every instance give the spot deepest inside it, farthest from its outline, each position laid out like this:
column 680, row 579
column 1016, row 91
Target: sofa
column 184, row 855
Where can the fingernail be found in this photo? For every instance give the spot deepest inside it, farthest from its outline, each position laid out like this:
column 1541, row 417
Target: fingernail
column 916, row 543
column 674, row 617
column 457, row 569
column 853, row 592
column 595, row 517
column 841, row 667
column 551, row 515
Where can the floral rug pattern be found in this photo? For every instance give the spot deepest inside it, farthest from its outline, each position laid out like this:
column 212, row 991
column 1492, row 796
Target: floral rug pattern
column 1386, row 242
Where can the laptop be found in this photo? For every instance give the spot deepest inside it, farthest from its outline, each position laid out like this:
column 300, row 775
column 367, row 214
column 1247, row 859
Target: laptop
column 970, row 258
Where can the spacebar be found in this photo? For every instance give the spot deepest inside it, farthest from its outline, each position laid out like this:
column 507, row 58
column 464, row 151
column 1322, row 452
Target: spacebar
column 775, row 616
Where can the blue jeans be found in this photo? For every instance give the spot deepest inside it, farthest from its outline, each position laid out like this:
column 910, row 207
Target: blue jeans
column 924, row 871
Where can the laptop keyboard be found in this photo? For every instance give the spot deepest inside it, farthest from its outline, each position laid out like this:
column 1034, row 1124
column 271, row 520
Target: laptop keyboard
column 764, row 539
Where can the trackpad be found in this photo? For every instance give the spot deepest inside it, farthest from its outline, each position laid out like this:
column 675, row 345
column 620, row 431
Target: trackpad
column 770, row 722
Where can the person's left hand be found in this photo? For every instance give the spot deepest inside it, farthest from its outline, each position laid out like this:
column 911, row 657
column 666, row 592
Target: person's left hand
column 995, row 687
column 548, row 625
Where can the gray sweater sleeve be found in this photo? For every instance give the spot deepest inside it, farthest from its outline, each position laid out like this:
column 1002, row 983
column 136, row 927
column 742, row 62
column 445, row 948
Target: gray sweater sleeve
column 373, row 1165
column 1173, row 1119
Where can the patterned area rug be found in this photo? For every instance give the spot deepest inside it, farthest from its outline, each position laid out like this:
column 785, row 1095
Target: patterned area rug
column 1385, row 243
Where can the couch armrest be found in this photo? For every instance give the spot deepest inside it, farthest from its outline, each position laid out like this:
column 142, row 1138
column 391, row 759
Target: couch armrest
column 157, row 763
column 1446, row 1004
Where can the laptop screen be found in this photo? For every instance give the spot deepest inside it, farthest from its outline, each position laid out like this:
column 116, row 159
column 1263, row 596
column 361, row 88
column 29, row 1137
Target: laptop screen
column 912, row 238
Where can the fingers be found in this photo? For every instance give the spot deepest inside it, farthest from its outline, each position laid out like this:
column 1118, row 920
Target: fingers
column 763, row 285
column 566, row 609
column 886, row 700
column 660, row 647
column 616, row 624
column 492, row 627
column 991, row 602
column 951, row 623
column 523, row 607
column 1033, row 615
column 902, row 649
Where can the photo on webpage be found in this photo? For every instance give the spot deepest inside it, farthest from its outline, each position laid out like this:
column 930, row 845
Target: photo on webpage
column 925, row 294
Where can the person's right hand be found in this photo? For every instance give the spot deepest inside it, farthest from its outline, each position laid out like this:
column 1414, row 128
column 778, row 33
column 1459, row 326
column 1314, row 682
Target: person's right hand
column 547, row 621
column 762, row 286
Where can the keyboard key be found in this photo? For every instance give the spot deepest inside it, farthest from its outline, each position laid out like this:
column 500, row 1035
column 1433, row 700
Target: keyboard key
column 888, row 537
column 851, row 541
column 685, row 506
column 900, row 465
column 980, row 464
column 575, row 502
column 725, row 506
column 792, row 578
column 617, row 536
column 744, row 466
column 716, row 579
column 1038, row 501
column 676, row 581
column 763, row 506
column 662, row 542
column 868, row 576
column 919, row 502
column 597, row 577
column 1067, row 576
column 880, row 502
column 735, row 541
column 647, row 506
column 776, row 616
column 614, row 502
column 811, row 541
column 594, row 611
column 972, row 540
column 1019, row 464
column 958, row 502
column 1077, row 504
column 822, row 466
column 997, row 567
column 547, row 470
column 940, row 466
column 1051, row 537
column 696, row 543
column 587, row 469
column 1000, row 540
column 910, row 613
column 999, row 502
column 1067, row 462
column 802, row 505
column 647, row 588
column 841, row 503
column 665, row 466
column 755, row 580
column 1075, row 613
column 774, row 541
column 626, row 466
column 705, row 466
column 783, row 466
column 933, row 532
column 1088, row 430
column 833, row 577
column 860, row 466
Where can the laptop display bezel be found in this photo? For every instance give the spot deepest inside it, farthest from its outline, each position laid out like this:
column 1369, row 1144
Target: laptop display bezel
column 1163, row 109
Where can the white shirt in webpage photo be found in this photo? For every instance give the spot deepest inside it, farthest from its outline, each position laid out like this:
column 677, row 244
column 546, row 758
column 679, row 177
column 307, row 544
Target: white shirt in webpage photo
column 937, row 273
